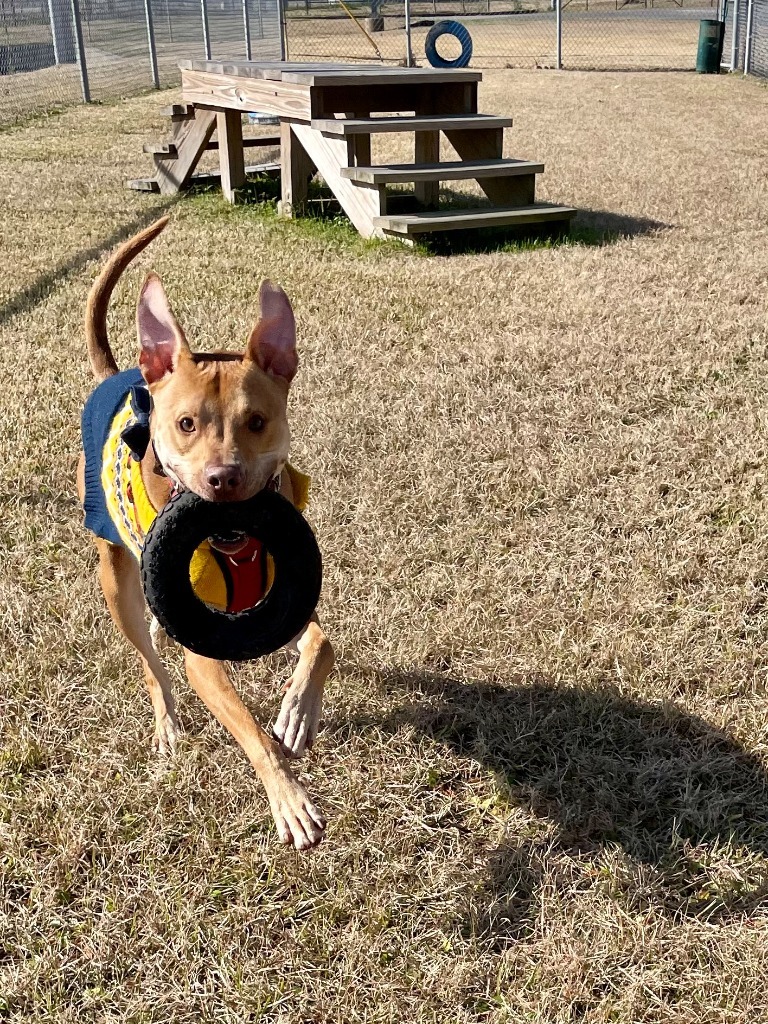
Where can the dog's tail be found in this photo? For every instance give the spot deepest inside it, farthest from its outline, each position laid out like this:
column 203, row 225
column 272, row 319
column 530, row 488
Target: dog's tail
column 99, row 352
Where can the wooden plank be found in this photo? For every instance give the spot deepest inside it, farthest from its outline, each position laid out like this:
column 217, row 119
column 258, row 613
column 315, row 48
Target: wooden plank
column 143, row 184
column 229, row 128
column 213, row 177
column 232, row 93
column 252, row 142
column 463, row 123
column 203, row 178
column 426, row 150
column 296, row 169
column 329, row 154
column 382, row 77
column 462, row 220
column 270, row 69
column 177, row 111
column 169, row 150
column 173, row 174
column 322, row 74
column 453, row 170
column 166, row 149
column 360, row 147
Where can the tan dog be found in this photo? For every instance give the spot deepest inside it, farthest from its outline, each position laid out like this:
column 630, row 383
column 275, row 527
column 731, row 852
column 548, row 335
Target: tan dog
column 218, row 427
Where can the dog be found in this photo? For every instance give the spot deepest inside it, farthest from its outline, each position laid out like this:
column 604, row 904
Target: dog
column 215, row 424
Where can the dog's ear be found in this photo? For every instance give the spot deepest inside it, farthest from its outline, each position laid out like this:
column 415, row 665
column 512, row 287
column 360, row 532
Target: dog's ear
column 162, row 340
column 272, row 344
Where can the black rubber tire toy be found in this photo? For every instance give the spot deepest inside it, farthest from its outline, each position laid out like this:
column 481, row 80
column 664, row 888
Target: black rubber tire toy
column 179, row 529
column 459, row 32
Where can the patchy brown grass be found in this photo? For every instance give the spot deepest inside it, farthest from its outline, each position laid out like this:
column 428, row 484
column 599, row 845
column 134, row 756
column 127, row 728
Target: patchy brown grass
column 539, row 486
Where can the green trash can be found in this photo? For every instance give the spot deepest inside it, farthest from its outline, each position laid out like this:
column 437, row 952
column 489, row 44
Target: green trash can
column 711, row 38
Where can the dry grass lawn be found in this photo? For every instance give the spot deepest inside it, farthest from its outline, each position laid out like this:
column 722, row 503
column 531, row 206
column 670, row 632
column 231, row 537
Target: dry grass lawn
column 540, row 490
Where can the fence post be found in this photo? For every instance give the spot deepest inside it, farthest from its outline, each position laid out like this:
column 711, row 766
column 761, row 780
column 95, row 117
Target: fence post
column 748, row 40
column 62, row 32
column 247, row 30
column 151, row 42
column 206, row 32
column 409, row 61
column 559, row 31
column 84, row 85
column 283, row 31
column 735, row 35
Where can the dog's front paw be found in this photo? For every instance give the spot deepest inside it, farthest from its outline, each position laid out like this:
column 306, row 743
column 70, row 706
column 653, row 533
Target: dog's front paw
column 299, row 719
column 167, row 733
column 299, row 822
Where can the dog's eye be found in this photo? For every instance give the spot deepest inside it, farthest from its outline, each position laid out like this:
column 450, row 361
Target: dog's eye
column 187, row 425
column 256, row 424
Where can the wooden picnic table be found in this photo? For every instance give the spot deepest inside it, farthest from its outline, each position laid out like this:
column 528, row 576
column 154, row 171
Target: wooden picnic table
column 302, row 93
column 327, row 115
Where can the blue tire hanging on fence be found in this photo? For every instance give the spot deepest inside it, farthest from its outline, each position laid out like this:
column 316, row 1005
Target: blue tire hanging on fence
column 449, row 28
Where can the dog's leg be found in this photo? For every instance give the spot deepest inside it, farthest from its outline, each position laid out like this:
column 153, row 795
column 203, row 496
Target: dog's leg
column 121, row 583
column 297, row 724
column 297, row 819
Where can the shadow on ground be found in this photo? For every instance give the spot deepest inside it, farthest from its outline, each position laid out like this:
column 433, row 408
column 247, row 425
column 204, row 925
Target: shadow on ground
column 669, row 811
column 588, row 228
column 37, row 292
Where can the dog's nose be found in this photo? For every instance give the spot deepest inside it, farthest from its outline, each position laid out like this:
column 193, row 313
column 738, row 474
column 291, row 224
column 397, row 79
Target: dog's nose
column 224, row 479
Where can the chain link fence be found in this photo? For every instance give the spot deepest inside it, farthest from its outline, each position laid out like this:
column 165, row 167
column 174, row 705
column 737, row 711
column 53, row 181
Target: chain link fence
column 746, row 36
column 57, row 52
column 595, row 34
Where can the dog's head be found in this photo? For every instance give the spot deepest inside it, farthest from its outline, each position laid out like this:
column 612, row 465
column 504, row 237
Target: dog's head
column 219, row 422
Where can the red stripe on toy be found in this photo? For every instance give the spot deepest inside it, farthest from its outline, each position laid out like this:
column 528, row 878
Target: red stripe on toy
column 247, row 577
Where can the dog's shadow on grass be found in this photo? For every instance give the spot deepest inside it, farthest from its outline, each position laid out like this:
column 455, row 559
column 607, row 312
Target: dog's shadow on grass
column 665, row 810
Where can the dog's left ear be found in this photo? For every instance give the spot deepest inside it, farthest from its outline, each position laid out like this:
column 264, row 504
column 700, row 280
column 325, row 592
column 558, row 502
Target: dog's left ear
column 272, row 343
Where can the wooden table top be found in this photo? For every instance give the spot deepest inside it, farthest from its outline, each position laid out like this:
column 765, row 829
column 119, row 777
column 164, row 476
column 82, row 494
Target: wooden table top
column 323, row 74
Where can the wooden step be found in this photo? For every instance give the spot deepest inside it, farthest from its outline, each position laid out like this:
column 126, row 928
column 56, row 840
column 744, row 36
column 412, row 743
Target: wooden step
column 471, row 219
column 449, row 171
column 168, row 150
column 427, row 123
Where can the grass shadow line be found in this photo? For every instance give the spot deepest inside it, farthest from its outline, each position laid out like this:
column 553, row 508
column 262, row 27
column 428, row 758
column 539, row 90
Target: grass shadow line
column 43, row 286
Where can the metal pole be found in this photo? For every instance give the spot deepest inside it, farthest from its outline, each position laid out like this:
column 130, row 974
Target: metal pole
column 748, row 40
column 283, row 31
column 86, row 89
column 151, row 41
column 206, row 33
column 247, row 30
column 62, row 32
column 559, row 30
column 409, row 61
column 735, row 35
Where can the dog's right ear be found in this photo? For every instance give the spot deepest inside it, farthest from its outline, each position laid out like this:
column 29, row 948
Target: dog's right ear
column 160, row 336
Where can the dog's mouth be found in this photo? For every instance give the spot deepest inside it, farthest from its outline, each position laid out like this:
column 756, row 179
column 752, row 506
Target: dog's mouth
column 230, row 542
